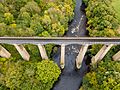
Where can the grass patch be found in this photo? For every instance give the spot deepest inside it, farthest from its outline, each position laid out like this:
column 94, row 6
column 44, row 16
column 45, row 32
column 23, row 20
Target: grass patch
column 116, row 6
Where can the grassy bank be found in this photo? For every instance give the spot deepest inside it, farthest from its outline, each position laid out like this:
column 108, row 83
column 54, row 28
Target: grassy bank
column 116, row 6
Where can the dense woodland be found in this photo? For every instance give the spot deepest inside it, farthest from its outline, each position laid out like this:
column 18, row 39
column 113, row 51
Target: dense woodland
column 32, row 18
column 35, row 17
column 50, row 18
column 103, row 20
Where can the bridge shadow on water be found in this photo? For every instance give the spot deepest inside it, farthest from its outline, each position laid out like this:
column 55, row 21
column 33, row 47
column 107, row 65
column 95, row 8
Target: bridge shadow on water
column 71, row 78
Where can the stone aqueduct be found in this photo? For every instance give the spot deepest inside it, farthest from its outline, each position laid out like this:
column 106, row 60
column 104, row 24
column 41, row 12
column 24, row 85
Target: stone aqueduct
column 85, row 42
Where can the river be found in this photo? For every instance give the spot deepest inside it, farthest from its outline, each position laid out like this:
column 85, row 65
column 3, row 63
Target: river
column 71, row 78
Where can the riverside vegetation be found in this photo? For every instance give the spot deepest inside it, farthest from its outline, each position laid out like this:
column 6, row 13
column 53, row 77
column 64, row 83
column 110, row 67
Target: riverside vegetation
column 103, row 20
column 48, row 18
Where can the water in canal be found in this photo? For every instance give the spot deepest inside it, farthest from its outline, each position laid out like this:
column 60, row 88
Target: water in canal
column 71, row 78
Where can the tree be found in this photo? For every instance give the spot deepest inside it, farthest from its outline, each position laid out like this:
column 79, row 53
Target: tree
column 29, row 75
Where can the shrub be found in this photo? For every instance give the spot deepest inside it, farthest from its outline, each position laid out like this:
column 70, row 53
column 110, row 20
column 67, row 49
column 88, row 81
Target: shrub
column 35, row 18
column 37, row 15
column 104, row 76
column 102, row 21
column 47, row 72
column 22, row 75
column 101, row 17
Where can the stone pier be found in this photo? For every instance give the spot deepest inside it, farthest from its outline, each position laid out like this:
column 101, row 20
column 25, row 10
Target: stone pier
column 4, row 53
column 81, row 55
column 101, row 53
column 43, row 52
column 22, row 51
column 116, row 57
column 62, row 59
